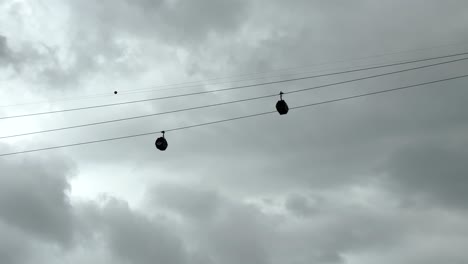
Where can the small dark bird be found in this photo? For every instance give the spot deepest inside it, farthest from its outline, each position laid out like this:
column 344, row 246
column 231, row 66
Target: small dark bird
column 115, row 92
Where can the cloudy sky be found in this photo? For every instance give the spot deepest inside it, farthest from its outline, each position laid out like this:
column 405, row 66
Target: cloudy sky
column 380, row 179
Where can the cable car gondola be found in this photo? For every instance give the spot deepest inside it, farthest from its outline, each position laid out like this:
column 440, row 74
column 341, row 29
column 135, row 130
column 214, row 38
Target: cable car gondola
column 161, row 142
column 282, row 106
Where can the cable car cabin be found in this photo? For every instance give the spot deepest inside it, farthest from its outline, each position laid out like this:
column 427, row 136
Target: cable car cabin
column 282, row 107
column 161, row 143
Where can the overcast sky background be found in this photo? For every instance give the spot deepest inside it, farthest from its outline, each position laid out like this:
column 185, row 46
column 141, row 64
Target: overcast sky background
column 381, row 179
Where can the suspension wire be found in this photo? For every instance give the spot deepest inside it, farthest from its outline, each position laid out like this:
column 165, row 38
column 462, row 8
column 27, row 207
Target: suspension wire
column 289, row 69
column 190, row 108
column 179, row 86
column 138, row 117
column 201, row 82
column 80, row 98
column 243, row 87
column 234, row 118
column 146, row 90
column 367, row 67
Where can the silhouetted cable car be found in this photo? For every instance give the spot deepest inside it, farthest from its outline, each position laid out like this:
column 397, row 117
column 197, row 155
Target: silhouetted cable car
column 161, row 142
column 282, row 106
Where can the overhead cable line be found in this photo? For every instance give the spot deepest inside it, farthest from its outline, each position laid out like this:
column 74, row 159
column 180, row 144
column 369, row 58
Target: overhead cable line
column 299, row 67
column 238, row 87
column 144, row 90
column 138, row 117
column 234, row 118
column 86, row 97
column 158, row 88
column 368, row 67
column 209, row 105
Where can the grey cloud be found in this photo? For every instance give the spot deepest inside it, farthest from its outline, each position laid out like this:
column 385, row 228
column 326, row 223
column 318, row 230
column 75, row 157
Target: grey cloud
column 339, row 143
column 240, row 232
column 198, row 19
column 166, row 20
column 332, row 149
column 304, row 34
column 33, row 197
column 431, row 172
column 326, row 156
column 35, row 62
column 188, row 201
column 8, row 56
column 331, row 145
column 137, row 239
column 100, row 30
column 27, row 54
column 14, row 246
column 240, row 235
column 96, row 41
column 4, row 51
column 300, row 205
column 229, row 233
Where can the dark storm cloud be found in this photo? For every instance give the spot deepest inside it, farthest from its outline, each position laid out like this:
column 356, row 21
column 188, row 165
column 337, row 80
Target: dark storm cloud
column 14, row 247
column 190, row 202
column 4, row 50
column 240, row 232
column 432, row 172
column 310, row 32
column 99, row 32
column 35, row 210
column 137, row 239
column 335, row 145
column 8, row 57
column 34, row 207
column 327, row 156
column 33, row 197
column 300, row 205
column 333, row 149
column 168, row 21
column 97, row 41
column 34, row 62
column 229, row 232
